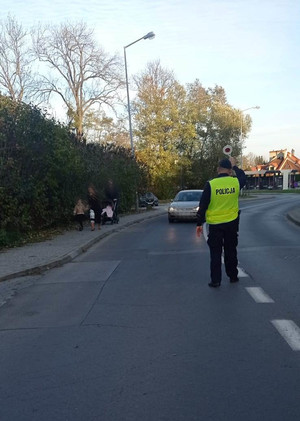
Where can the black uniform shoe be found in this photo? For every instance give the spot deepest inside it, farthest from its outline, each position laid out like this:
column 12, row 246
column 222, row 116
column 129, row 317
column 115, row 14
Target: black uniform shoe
column 232, row 280
column 214, row 284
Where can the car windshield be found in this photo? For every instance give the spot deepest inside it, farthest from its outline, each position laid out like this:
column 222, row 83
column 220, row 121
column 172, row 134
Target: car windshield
column 191, row 196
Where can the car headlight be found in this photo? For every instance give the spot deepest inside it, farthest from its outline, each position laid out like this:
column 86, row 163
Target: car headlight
column 196, row 208
column 171, row 209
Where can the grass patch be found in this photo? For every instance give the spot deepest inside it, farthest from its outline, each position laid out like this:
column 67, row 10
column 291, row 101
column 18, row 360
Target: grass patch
column 274, row 191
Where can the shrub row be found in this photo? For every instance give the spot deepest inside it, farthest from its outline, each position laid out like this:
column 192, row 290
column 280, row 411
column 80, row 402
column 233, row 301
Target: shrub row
column 43, row 169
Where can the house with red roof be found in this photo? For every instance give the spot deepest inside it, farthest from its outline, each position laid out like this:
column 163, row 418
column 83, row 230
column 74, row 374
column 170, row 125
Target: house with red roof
column 281, row 172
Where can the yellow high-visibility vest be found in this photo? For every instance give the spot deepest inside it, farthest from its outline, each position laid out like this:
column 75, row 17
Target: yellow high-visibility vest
column 224, row 200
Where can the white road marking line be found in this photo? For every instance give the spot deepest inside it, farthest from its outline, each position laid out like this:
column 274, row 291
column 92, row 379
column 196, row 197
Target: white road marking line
column 242, row 273
column 259, row 295
column 170, row 252
column 289, row 331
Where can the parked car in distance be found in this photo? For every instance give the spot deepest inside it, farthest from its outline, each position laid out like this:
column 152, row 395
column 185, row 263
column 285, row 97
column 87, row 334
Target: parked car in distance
column 185, row 205
column 148, row 199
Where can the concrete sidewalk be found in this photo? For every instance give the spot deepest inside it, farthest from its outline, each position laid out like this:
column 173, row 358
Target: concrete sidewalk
column 38, row 257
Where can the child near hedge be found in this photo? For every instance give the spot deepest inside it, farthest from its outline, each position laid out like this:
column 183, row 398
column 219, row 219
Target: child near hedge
column 79, row 213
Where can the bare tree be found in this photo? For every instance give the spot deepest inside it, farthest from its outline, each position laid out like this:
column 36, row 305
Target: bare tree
column 16, row 78
column 105, row 130
column 82, row 73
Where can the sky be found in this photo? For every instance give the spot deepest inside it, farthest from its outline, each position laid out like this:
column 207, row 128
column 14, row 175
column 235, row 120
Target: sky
column 250, row 48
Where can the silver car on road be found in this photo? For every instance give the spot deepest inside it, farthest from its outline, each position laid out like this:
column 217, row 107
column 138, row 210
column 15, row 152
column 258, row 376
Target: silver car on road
column 185, row 205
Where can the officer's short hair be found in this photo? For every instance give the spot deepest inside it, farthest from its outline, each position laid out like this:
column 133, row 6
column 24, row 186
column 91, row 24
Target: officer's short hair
column 225, row 163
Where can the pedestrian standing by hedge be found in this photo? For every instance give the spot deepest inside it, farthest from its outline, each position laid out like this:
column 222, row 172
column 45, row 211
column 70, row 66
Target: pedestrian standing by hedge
column 111, row 191
column 95, row 206
column 219, row 206
column 79, row 213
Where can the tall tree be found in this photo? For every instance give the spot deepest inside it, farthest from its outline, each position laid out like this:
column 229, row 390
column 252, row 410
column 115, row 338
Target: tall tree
column 217, row 124
column 161, row 126
column 82, row 73
column 251, row 160
column 105, row 130
column 16, row 76
column 260, row 160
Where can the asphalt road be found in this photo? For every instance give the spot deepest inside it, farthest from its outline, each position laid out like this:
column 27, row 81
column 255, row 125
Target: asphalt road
column 130, row 331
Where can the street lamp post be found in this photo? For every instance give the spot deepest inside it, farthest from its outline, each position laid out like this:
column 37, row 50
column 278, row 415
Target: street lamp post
column 241, row 133
column 150, row 35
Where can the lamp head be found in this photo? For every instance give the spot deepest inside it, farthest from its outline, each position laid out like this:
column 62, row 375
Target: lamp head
column 150, row 35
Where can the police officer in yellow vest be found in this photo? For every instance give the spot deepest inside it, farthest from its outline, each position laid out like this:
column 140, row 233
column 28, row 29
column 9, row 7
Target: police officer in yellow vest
column 219, row 206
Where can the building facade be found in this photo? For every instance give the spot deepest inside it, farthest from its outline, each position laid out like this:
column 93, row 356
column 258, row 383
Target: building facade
column 281, row 172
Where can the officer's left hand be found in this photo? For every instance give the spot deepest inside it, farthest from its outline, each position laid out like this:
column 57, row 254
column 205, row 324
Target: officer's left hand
column 199, row 231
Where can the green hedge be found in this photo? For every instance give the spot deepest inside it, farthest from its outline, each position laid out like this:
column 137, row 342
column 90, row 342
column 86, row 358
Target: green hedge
column 43, row 169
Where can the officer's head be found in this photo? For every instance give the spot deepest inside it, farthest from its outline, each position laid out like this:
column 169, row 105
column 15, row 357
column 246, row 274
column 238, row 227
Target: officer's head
column 225, row 166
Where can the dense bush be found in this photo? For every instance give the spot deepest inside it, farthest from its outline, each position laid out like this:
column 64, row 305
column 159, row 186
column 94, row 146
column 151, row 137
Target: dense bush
column 43, row 168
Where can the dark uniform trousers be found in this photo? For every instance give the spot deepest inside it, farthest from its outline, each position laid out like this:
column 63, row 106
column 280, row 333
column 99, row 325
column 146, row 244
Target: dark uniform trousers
column 223, row 236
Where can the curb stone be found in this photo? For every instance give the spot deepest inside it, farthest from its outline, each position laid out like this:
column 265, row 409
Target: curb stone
column 294, row 216
column 72, row 254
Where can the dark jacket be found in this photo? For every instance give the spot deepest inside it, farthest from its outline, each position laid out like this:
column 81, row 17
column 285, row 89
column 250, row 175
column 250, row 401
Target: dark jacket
column 94, row 203
column 111, row 193
column 205, row 198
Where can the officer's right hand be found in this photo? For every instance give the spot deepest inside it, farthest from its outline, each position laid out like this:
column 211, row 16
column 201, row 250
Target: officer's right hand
column 232, row 160
column 199, row 231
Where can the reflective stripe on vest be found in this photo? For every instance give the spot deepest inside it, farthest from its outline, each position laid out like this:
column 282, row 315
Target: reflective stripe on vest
column 224, row 200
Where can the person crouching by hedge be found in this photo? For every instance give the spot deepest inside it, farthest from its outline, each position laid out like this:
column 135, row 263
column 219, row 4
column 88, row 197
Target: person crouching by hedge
column 79, row 213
